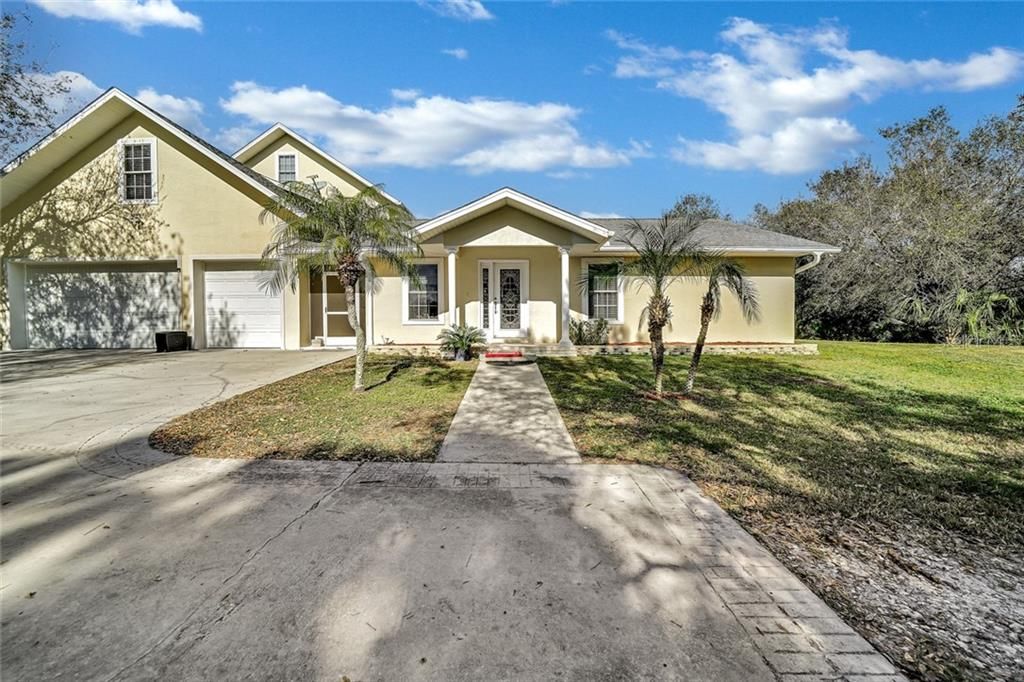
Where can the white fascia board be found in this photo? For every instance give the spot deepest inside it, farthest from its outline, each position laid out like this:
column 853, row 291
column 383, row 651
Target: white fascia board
column 744, row 250
column 60, row 130
column 505, row 196
column 257, row 143
column 114, row 93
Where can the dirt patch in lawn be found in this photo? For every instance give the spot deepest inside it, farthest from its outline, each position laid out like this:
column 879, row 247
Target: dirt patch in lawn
column 404, row 415
column 889, row 477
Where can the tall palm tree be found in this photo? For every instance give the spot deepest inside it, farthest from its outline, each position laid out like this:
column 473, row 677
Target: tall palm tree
column 666, row 252
column 722, row 273
column 321, row 229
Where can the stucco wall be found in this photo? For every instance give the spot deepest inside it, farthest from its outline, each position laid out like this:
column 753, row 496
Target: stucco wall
column 508, row 226
column 203, row 210
column 387, row 309
column 774, row 280
column 309, row 163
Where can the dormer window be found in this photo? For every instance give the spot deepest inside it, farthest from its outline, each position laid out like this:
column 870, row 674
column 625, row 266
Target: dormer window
column 138, row 158
column 287, row 168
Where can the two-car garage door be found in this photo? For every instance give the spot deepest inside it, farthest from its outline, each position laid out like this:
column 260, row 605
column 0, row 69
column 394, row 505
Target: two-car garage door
column 100, row 305
column 240, row 312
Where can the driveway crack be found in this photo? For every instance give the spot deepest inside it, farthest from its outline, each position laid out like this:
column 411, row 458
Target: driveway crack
column 180, row 626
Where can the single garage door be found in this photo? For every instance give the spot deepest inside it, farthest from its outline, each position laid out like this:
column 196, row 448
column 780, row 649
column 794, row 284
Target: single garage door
column 100, row 305
column 239, row 313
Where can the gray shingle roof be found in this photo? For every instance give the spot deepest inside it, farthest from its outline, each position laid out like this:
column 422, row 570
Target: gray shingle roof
column 722, row 234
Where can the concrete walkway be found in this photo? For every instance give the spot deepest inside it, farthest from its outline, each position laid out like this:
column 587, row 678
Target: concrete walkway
column 508, row 416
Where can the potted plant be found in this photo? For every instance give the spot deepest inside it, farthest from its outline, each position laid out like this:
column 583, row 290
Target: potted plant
column 459, row 340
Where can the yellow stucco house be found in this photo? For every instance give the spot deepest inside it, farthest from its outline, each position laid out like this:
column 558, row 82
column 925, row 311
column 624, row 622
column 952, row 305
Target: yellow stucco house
column 121, row 223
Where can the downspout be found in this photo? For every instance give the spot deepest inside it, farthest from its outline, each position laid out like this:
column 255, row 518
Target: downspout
column 810, row 264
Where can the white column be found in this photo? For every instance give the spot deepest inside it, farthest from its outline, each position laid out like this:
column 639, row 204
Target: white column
column 563, row 251
column 453, row 313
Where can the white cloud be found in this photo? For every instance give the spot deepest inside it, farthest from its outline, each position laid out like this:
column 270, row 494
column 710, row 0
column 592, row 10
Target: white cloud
column 801, row 145
column 405, row 94
column 460, row 53
column 185, row 111
column 131, row 15
column 234, row 138
column 463, row 10
column 588, row 215
column 80, row 91
column 478, row 134
column 766, row 91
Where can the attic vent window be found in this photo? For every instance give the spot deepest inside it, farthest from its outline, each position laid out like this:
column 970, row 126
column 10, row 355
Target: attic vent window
column 139, row 181
column 286, row 168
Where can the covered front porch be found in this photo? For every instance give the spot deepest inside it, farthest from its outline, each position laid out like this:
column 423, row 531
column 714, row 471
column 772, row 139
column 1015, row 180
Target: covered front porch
column 507, row 264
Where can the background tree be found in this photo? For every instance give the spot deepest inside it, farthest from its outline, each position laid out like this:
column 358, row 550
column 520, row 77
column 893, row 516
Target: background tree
column 323, row 230
column 27, row 93
column 702, row 206
column 940, row 228
column 722, row 273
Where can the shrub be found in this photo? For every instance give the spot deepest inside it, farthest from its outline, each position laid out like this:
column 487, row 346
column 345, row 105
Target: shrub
column 460, row 340
column 588, row 332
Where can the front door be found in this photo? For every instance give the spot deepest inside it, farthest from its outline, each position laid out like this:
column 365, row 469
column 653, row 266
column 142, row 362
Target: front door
column 504, row 299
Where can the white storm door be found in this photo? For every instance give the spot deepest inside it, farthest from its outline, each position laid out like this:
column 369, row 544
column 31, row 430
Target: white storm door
column 510, row 299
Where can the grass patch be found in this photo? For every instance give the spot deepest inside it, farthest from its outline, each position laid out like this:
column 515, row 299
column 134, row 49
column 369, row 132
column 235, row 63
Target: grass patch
column 404, row 415
column 868, row 466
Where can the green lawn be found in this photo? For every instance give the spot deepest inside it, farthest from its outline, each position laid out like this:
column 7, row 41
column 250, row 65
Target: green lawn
column 404, row 415
column 857, row 466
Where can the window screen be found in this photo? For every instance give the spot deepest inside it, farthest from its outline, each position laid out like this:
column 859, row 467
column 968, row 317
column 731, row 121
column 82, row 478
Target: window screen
column 423, row 295
column 138, row 171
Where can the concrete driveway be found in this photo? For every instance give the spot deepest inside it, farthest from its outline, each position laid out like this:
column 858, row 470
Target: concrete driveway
column 122, row 563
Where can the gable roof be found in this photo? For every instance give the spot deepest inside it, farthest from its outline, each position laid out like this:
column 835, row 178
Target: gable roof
column 279, row 130
column 96, row 118
column 506, row 196
column 724, row 235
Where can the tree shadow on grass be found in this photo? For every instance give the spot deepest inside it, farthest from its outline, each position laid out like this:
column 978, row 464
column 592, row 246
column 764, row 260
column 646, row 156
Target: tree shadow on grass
column 787, row 441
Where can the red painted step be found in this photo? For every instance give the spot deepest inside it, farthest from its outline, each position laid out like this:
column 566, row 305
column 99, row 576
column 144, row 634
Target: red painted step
column 497, row 355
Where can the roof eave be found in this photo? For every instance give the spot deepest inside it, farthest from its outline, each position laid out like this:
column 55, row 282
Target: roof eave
column 253, row 147
column 504, row 197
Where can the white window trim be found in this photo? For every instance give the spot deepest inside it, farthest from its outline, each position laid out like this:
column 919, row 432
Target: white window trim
column 151, row 141
column 620, row 316
column 441, row 274
column 277, row 164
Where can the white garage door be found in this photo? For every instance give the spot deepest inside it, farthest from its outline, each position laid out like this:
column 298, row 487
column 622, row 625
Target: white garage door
column 86, row 305
column 239, row 313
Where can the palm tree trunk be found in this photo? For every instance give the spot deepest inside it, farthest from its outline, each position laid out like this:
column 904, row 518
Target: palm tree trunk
column 707, row 310
column 657, row 357
column 352, row 304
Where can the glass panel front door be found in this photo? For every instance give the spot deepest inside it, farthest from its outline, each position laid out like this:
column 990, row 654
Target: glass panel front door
column 509, row 290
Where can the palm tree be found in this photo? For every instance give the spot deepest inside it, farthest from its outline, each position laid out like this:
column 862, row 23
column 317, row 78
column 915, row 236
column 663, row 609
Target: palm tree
column 722, row 273
column 666, row 252
column 321, row 229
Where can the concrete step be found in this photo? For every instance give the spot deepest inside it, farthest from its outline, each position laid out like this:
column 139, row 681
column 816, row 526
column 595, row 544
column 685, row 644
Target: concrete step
column 533, row 350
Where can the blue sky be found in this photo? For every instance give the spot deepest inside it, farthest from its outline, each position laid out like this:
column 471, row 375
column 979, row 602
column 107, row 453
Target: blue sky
column 600, row 108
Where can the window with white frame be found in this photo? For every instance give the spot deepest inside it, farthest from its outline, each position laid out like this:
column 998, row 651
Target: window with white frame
column 287, row 168
column 139, row 168
column 422, row 295
column 604, row 296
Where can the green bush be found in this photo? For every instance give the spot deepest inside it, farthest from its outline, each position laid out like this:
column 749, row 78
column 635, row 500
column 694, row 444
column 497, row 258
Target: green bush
column 588, row 332
column 460, row 340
